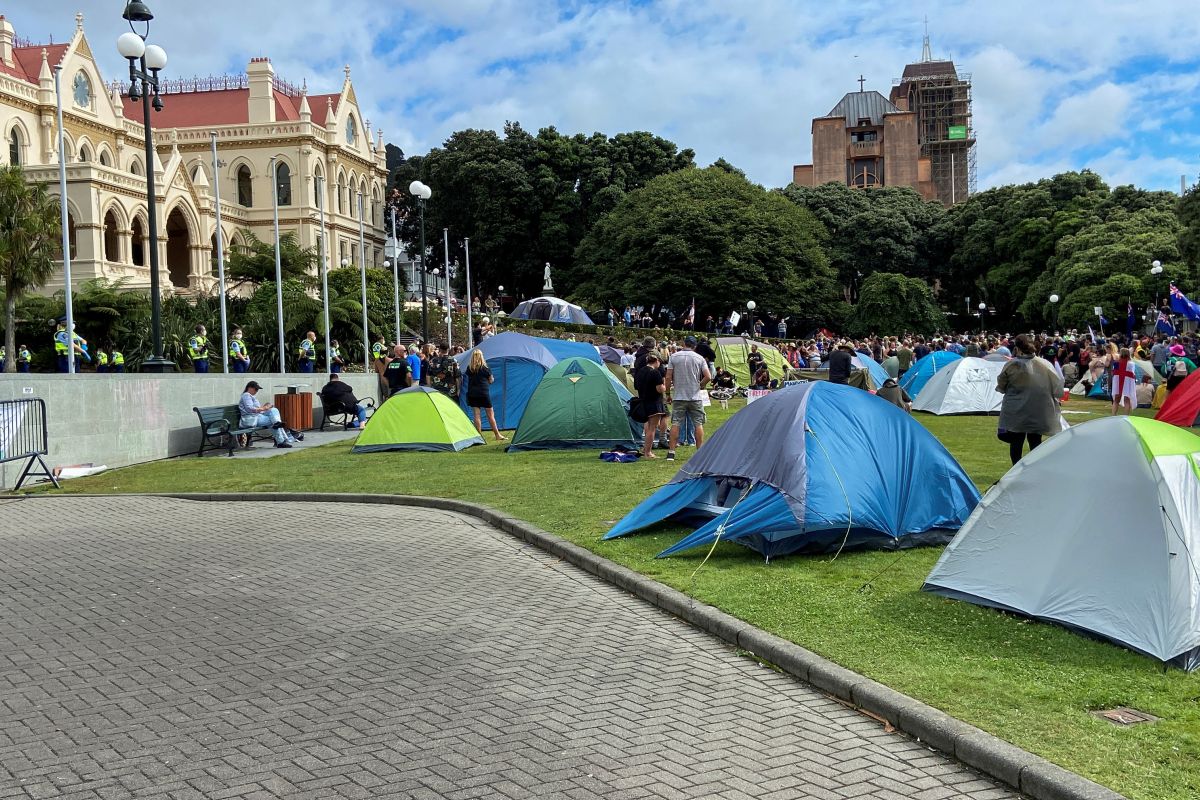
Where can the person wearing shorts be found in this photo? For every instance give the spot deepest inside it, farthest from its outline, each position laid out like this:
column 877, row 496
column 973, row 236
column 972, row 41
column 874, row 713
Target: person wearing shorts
column 687, row 375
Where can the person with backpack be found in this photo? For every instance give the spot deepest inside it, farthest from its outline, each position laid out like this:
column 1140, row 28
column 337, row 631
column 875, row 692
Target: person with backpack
column 1179, row 366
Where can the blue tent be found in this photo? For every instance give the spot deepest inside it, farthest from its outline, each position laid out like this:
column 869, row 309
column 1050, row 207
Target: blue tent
column 863, row 361
column 812, row 467
column 925, row 368
column 518, row 363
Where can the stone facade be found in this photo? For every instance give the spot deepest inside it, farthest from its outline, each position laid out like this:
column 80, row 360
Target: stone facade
column 322, row 144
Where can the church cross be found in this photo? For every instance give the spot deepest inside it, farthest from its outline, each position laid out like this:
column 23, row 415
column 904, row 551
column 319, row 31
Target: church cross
column 861, row 81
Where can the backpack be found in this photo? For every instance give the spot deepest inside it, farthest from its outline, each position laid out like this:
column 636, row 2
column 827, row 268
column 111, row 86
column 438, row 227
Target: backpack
column 1180, row 368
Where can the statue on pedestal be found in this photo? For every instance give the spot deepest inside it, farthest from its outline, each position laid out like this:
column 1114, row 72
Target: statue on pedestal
column 548, row 286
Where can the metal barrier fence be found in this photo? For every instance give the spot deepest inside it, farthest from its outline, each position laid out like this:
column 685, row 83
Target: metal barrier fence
column 23, row 436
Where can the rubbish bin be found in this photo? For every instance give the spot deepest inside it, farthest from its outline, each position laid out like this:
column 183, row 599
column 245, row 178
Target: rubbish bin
column 295, row 408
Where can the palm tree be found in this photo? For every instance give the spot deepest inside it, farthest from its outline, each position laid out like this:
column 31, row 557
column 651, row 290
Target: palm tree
column 29, row 228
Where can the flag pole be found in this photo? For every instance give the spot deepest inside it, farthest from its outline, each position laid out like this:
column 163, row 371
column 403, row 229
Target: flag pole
column 66, row 232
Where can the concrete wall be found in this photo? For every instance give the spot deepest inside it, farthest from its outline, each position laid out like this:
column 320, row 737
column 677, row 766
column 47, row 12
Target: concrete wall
column 127, row 419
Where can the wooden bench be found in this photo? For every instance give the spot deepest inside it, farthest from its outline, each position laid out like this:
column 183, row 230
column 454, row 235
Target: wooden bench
column 221, row 429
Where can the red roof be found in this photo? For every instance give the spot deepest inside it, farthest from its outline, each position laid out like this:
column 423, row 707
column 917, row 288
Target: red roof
column 29, row 61
column 224, row 107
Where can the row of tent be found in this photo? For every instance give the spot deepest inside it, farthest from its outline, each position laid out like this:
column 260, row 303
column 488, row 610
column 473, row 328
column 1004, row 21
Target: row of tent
column 818, row 468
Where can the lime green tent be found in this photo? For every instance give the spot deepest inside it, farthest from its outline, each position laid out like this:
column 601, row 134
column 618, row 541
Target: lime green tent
column 578, row 403
column 732, row 352
column 418, row 418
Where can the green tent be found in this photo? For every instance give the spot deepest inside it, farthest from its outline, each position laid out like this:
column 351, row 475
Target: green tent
column 576, row 404
column 418, row 418
column 732, row 352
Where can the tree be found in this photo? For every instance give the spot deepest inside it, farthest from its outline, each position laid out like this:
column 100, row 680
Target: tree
column 1189, row 220
column 711, row 235
column 29, row 228
column 254, row 262
column 889, row 303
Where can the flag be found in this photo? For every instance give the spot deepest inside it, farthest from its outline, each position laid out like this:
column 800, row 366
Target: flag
column 1164, row 324
column 1130, row 321
column 1180, row 304
column 690, row 319
column 734, row 318
column 1091, row 333
column 1103, row 321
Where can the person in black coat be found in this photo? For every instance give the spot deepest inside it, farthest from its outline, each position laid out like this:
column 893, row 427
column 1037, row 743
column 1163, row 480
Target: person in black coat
column 840, row 363
column 339, row 398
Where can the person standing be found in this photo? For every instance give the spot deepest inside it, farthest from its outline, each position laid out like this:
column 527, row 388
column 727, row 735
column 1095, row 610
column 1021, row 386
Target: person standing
column 307, row 352
column 396, row 373
column 1029, row 410
column 379, row 351
column 479, row 394
column 101, row 360
column 781, row 328
column 198, row 350
column 445, row 375
column 336, row 362
column 62, row 347
column 1123, row 385
column 904, row 359
column 239, row 355
column 414, row 364
column 24, row 358
column 116, row 360
column 754, row 360
column 650, row 387
column 841, row 363
column 687, row 375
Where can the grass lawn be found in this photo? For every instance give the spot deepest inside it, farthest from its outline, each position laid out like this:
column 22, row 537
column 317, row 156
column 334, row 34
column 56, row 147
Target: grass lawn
column 1032, row 684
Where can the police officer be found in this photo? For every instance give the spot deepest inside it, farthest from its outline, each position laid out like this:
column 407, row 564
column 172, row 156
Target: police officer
column 3, row 357
column 116, row 359
column 23, row 358
column 63, row 342
column 239, row 356
column 198, row 350
column 336, row 362
column 101, row 360
column 379, row 350
column 307, row 351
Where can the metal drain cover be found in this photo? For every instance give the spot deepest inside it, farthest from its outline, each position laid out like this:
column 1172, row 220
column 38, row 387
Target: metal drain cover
column 1123, row 715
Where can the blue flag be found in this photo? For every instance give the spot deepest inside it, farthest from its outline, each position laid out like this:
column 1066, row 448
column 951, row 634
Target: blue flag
column 1180, row 304
column 1103, row 320
column 1130, row 321
column 1164, row 324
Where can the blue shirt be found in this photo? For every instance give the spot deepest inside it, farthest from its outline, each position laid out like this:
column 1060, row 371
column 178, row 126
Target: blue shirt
column 414, row 366
column 248, row 405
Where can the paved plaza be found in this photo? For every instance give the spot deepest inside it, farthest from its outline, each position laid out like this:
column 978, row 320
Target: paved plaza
column 175, row 649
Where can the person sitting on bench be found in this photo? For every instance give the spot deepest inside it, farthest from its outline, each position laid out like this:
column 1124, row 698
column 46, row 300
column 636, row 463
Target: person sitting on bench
column 339, row 398
column 262, row 416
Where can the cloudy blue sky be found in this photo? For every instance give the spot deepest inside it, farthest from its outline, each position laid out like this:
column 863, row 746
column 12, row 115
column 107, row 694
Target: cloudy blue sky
column 1064, row 84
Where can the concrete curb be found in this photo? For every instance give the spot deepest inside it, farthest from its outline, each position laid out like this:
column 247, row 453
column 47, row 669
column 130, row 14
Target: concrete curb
column 1030, row 774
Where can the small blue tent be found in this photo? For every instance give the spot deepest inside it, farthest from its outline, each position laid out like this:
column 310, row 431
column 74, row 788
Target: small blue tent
column 861, row 360
column 925, row 368
column 811, row 468
column 518, row 363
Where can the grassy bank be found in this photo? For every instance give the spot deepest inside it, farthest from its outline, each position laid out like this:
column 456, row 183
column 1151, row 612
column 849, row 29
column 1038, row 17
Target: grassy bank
column 1030, row 683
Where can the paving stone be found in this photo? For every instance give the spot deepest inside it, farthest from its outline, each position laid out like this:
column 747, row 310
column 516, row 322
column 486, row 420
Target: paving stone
column 161, row 648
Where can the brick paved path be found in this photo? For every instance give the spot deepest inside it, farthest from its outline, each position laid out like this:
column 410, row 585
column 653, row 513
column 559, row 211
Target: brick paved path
column 174, row 649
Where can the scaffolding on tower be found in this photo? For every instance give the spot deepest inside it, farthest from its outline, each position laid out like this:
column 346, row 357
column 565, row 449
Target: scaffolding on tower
column 941, row 98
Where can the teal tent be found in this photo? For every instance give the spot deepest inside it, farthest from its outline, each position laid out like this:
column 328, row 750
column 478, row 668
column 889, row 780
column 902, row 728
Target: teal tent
column 576, row 404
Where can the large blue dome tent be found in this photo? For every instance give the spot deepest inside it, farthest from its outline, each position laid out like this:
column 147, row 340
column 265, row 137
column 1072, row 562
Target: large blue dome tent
column 518, row 363
column 925, row 368
column 813, row 468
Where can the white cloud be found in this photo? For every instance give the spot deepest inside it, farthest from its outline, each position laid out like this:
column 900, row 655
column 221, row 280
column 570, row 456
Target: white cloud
column 735, row 80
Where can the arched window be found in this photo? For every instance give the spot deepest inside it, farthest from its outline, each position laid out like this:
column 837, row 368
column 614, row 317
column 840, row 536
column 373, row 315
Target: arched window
column 245, row 190
column 14, row 147
column 318, row 182
column 72, row 238
column 112, row 241
column 341, row 207
column 283, row 184
column 138, row 240
column 135, row 167
column 85, row 154
column 104, row 159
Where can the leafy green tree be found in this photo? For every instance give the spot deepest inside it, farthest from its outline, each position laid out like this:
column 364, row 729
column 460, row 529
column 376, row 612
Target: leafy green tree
column 890, row 303
column 29, row 228
column 708, row 234
column 1189, row 220
column 254, row 263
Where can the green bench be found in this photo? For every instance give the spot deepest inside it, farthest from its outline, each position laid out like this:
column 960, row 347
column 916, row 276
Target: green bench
column 221, row 429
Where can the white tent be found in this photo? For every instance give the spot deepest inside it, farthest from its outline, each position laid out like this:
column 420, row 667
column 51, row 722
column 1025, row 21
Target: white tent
column 551, row 309
column 964, row 386
column 1124, row 566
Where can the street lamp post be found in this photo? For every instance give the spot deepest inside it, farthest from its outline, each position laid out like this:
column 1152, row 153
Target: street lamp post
column 422, row 193
column 1054, row 311
column 982, row 312
column 362, row 259
column 750, row 306
column 145, row 62
column 395, row 264
column 320, row 183
column 1156, row 269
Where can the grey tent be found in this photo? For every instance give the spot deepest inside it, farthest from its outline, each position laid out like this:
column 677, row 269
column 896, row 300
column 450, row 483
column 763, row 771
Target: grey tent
column 964, row 386
column 1123, row 566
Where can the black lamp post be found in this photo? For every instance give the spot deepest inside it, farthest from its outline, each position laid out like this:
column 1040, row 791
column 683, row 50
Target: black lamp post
column 982, row 311
column 145, row 61
column 422, row 193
